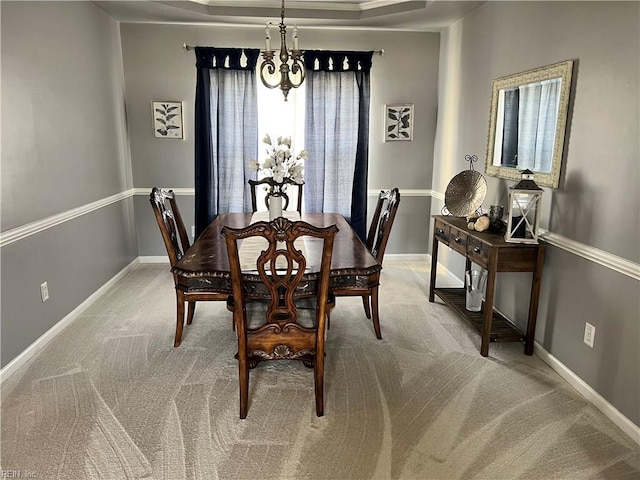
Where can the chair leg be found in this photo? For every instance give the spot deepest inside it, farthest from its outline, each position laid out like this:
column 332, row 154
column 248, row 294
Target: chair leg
column 243, row 374
column 179, row 318
column 318, row 375
column 376, row 314
column 367, row 309
column 191, row 310
column 331, row 303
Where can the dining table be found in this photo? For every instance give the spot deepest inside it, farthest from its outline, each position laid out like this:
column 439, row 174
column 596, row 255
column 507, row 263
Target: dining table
column 352, row 265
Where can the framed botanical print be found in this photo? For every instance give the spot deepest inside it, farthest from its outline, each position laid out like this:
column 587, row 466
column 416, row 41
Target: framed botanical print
column 398, row 122
column 167, row 119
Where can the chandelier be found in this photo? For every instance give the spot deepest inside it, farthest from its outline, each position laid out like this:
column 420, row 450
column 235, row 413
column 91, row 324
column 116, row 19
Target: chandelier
column 290, row 61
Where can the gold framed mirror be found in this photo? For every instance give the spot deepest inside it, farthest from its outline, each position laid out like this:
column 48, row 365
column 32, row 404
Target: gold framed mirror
column 527, row 123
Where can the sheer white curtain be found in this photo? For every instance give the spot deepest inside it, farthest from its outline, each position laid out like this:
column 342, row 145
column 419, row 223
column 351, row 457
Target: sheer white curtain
column 537, row 124
column 337, row 134
column 332, row 126
column 234, row 127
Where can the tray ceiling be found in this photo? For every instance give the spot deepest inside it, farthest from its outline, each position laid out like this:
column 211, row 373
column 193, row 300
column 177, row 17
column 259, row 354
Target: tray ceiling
column 405, row 15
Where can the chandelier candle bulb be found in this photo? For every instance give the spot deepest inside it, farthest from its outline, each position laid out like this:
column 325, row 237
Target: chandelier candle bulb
column 295, row 38
column 267, row 40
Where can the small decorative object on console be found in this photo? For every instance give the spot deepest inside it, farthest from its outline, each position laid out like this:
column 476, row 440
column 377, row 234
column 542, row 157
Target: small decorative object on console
column 466, row 191
column 482, row 223
column 497, row 225
column 524, row 210
column 479, row 223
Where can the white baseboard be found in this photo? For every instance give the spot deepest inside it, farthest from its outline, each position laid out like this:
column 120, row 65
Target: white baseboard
column 10, row 368
column 598, row 401
column 154, row 259
column 450, row 276
column 407, row 257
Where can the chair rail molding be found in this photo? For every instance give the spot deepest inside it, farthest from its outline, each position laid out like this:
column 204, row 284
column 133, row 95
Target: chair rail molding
column 32, row 228
column 609, row 260
column 606, row 259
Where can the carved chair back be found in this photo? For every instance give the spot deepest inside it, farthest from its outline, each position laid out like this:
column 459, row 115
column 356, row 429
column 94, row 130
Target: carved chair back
column 279, row 334
column 382, row 221
column 269, row 182
column 170, row 222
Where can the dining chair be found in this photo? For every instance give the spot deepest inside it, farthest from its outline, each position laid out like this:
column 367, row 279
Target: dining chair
column 377, row 238
column 270, row 183
column 176, row 242
column 281, row 328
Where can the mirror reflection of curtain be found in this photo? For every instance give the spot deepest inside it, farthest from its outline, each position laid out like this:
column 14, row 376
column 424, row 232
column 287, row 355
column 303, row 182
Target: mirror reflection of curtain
column 337, row 134
column 537, row 124
column 226, row 126
column 510, row 128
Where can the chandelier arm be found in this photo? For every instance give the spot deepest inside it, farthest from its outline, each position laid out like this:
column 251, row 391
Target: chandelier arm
column 268, row 65
column 297, row 67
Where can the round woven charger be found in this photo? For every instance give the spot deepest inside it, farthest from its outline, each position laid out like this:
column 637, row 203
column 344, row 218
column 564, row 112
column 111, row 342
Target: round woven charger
column 465, row 193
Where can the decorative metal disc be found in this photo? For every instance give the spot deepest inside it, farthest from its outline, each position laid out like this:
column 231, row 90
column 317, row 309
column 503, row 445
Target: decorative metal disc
column 465, row 193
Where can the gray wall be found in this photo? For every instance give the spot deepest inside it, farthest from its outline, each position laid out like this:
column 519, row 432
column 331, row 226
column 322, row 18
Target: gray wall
column 64, row 146
column 157, row 68
column 597, row 203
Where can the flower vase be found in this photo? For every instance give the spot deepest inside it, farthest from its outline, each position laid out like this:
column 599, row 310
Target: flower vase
column 275, row 206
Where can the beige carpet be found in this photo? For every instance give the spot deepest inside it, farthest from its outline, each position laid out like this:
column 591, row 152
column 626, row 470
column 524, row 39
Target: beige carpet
column 110, row 398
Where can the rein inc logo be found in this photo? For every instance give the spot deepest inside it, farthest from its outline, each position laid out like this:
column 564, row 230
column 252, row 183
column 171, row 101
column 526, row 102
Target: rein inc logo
column 17, row 474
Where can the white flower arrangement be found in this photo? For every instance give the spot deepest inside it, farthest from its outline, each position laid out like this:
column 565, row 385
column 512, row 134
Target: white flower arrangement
column 280, row 163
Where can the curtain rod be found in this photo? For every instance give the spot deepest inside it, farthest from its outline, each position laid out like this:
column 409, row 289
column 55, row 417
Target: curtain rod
column 189, row 47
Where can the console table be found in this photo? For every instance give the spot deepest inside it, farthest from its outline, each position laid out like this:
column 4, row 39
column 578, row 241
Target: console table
column 490, row 251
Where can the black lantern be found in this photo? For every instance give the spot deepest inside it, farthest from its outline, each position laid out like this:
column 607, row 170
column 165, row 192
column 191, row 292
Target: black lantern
column 524, row 210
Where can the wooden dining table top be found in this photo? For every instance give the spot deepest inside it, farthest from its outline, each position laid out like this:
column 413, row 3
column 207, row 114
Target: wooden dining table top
column 351, row 263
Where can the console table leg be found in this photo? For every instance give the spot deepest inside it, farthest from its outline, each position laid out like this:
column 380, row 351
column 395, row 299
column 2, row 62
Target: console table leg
column 533, row 301
column 492, row 268
column 434, row 266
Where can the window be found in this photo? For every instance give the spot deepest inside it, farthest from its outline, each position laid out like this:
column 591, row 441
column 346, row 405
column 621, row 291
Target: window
column 279, row 118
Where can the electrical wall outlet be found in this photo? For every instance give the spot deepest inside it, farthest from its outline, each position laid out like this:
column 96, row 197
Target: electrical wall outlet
column 589, row 334
column 44, row 291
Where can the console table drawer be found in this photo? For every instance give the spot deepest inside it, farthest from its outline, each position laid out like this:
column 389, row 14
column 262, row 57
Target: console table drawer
column 478, row 251
column 441, row 231
column 458, row 240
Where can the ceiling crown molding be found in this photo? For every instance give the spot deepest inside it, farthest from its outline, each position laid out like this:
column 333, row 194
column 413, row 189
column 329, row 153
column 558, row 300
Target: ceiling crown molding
column 298, row 9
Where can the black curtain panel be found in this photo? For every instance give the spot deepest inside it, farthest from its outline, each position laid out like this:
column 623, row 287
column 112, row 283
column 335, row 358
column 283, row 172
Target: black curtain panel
column 226, row 125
